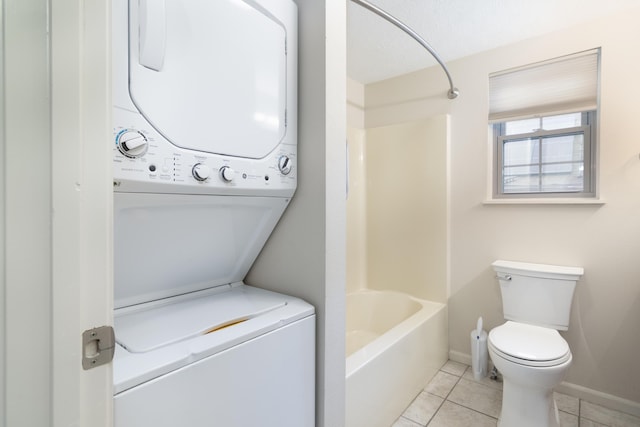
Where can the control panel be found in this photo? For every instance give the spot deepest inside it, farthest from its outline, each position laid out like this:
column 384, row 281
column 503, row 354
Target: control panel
column 144, row 161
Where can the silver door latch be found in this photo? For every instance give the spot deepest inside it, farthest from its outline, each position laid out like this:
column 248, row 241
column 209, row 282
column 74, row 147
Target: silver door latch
column 98, row 346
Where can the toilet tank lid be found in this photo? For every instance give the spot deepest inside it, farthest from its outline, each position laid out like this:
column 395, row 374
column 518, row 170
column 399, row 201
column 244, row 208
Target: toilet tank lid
column 526, row 268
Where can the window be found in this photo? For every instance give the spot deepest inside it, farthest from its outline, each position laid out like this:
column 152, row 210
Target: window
column 547, row 155
column 543, row 119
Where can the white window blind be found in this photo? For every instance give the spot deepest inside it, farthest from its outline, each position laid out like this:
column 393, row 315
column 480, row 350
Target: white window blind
column 562, row 85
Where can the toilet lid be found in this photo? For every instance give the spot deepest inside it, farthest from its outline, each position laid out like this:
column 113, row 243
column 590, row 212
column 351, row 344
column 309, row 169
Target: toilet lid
column 534, row 345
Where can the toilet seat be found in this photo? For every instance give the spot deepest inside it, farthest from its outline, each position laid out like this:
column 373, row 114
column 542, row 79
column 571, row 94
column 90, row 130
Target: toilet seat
column 529, row 345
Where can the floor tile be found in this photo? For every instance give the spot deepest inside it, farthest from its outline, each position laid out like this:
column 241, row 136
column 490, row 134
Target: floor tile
column 478, row 397
column 423, row 408
column 404, row 422
column 454, row 398
column 606, row 416
column 588, row 423
column 452, row 415
column 454, row 368
column 441, row 384
column 567, row 403
column 468, row 374
column 568, row 420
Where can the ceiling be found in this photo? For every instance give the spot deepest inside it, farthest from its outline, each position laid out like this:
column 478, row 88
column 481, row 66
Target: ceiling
column 377, row 50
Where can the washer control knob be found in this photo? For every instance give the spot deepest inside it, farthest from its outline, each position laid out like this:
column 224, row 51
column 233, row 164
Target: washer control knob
column 132, row 143
column 200, row 172
column 285, row 165
column 226, row 174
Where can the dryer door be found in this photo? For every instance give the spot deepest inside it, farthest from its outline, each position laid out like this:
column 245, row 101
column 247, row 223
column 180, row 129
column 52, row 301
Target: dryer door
column 210, row 75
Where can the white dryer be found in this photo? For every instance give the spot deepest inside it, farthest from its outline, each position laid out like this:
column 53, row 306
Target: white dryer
column 204, row 156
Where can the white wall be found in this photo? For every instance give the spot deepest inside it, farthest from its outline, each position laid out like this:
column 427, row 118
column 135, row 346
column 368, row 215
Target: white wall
column 605, row 240
column 26, row 280
column 305, row 256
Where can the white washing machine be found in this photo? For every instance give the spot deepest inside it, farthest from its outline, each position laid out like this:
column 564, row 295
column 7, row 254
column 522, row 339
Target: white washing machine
column 204, row 159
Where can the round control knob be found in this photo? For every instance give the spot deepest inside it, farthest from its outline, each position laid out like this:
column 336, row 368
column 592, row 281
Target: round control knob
column 226, row 174
column 132, row 143
column 200, row 172
column 285, row 165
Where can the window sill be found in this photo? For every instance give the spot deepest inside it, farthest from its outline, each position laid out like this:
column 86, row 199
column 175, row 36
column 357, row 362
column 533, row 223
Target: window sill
column 546, row 201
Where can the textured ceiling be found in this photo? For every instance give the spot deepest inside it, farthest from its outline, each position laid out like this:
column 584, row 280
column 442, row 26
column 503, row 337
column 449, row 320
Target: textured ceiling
column 377, row 50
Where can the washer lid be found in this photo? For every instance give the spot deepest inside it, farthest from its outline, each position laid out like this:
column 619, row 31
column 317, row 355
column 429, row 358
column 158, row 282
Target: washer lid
column 177, row 319
column 210, row 75
column 528, row 342
column 173, row 244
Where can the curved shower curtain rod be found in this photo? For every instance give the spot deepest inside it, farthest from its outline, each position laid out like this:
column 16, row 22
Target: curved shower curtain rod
column 453, row 91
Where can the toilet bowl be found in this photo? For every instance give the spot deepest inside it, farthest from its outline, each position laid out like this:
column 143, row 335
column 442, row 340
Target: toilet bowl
column 532, row 360
column 528, row 350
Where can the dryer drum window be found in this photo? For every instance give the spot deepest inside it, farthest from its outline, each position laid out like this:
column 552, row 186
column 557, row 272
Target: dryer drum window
column 210, row 75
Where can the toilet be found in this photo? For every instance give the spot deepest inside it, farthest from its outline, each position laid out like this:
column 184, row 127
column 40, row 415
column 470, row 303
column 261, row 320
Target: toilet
column 528, row 350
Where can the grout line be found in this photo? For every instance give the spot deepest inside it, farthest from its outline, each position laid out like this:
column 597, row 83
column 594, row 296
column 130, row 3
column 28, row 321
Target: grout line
column 437, row 410
column 580, row 418
column 463, row 406
column 579, row 412
column 580, row 405
column 471, row 409
column 410, row 420
column 446, row 397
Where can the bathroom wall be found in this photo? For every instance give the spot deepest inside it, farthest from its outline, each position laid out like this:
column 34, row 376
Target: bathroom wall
column 602, row 238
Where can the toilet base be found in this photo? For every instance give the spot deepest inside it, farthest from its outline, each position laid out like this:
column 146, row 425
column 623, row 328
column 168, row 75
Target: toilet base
column 527, row 407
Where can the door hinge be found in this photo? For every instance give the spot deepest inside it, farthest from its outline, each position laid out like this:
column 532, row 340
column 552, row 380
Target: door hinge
column 98, row 347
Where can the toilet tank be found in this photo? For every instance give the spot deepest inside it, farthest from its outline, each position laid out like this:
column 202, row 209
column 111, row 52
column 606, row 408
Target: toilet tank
column 537, row 294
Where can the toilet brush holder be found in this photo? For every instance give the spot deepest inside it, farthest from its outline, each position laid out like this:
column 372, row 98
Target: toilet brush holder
column 479, row 352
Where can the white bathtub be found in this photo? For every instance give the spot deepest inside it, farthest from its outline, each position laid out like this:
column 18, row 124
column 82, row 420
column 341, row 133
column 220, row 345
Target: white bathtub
column 395, row 344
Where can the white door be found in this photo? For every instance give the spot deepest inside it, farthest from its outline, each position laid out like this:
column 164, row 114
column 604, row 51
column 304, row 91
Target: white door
column 82, row 207
column 56, row 211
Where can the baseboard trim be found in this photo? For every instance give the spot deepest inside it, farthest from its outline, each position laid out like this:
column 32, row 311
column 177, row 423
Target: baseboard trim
column 460, row 357
column 599, row 398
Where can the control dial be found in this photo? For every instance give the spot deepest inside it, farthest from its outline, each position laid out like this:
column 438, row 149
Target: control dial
column 226, row 174
column 132, row 143
column 285, row 165
column 200, row 172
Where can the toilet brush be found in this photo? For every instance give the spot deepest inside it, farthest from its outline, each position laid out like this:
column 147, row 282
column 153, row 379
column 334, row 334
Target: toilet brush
column 479, row 351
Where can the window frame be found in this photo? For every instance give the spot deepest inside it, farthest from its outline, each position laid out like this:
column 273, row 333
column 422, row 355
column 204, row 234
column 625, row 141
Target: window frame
column 589, row 131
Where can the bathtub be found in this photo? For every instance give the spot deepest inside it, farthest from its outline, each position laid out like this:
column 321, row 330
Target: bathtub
column 395, row 344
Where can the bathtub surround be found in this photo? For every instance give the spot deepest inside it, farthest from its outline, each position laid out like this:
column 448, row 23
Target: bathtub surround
column 396, row 251
column 604, row 239
column 406, row 179
column 397, row 208
column 356, row 211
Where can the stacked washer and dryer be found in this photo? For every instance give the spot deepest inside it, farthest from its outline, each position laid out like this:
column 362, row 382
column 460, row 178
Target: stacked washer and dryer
column 205, row 112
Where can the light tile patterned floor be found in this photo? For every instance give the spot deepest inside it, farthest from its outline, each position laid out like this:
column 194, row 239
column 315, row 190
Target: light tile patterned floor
column 454, row 398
